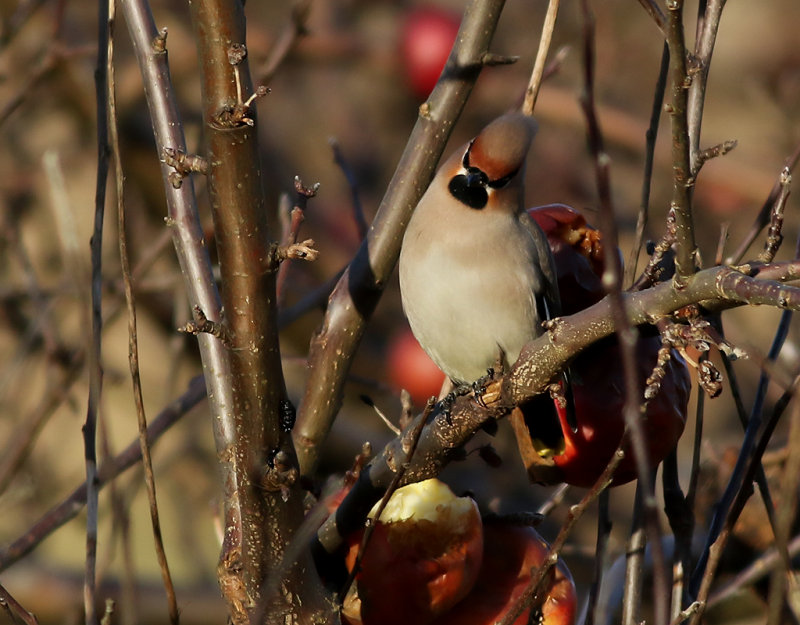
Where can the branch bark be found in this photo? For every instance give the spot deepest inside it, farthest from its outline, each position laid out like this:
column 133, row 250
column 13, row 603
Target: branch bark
column 260, row 514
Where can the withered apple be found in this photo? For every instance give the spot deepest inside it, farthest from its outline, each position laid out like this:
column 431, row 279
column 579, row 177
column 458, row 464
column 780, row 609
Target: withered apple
column 511, row 553
column 423, row 557
column 551, row 450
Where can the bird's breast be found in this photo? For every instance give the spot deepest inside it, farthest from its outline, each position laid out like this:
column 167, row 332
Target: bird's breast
column 468, row 293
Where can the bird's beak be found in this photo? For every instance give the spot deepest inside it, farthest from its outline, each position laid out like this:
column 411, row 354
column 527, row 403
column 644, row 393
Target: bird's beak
column 475, row 179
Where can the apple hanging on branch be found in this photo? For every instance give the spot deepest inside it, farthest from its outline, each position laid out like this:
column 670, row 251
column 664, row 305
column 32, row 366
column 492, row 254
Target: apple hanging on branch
column 551, row 450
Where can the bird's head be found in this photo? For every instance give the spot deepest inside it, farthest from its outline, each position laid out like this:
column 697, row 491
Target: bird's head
column 492, row 167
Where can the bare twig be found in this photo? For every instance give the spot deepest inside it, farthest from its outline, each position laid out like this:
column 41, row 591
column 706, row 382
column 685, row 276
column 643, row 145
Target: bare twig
column 358, row 209
column 759, row 568
column 15, row 610
column 533, row 592
column 95, row 364
column 763, row 217
column 774, row 236
column 187, row 233
column 133, row 341
column 709, row 561
column 626, row 333
column 708, row 25
column 291, row 33
column 654, row 10
column 634, row 561
column 650, row 146
column 785, row 519
column 604, row 527
column 532, row 92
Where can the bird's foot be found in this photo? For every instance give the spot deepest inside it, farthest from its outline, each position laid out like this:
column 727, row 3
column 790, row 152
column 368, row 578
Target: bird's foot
column 479, row 386
column 445, row 404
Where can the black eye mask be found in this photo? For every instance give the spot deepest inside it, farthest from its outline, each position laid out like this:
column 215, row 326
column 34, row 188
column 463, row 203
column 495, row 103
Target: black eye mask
column 475, row 195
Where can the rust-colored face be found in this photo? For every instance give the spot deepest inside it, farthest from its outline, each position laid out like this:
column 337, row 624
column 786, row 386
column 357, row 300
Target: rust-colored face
column 493, row 161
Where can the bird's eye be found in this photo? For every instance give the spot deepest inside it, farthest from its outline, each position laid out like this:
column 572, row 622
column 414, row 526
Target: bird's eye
column 502, row 182
column 473, row 196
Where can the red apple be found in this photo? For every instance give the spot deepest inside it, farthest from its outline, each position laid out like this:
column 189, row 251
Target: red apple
column 552, row 452
column 510, row 554
column 423, row 557
column 426, row 37
column 410, row 368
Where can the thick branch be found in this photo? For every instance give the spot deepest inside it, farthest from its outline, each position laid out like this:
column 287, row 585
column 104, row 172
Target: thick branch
column 540, row 361
column 356, row 295
column 259, row 520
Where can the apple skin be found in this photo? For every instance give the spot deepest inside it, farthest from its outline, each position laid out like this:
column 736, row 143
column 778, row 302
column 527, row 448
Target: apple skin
column 597, row 378
column 510, row 553
column 426, row 37
column 415, row 569
column 410, row 368
column 599, row 393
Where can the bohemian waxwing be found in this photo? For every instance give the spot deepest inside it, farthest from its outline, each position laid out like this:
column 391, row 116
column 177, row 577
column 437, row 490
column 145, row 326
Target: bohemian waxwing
column 476, row 273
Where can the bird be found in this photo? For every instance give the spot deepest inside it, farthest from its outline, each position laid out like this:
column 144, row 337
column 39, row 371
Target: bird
column 477, row 276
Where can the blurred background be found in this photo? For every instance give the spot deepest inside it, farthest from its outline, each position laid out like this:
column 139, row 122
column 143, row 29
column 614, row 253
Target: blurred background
column 347, row 79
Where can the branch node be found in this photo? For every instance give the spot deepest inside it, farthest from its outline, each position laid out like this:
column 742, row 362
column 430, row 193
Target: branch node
column 183, row 164
column 204, row 325
column 774, row 235
column 279, row 474
column 159, row 43
column 237, row 52
column 713, row 152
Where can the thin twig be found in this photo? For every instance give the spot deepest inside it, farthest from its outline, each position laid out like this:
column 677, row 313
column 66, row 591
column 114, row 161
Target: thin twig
column 133, row 341
column 747, row 457
column 757, row 570
column 763, row 217
column 785, row 519
column 186, row 230
column 291, row 33
column 352, row 183
column 649, row 153
column 708, row 25
column 95, row 364
column 654, row 10
column 706, row 568
column 626, row 334
column 532, row 92
column 536, row 585
column 634, row 564
column 15, row 610
column 412, row 441
column 774, row 236
column 601, row 552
